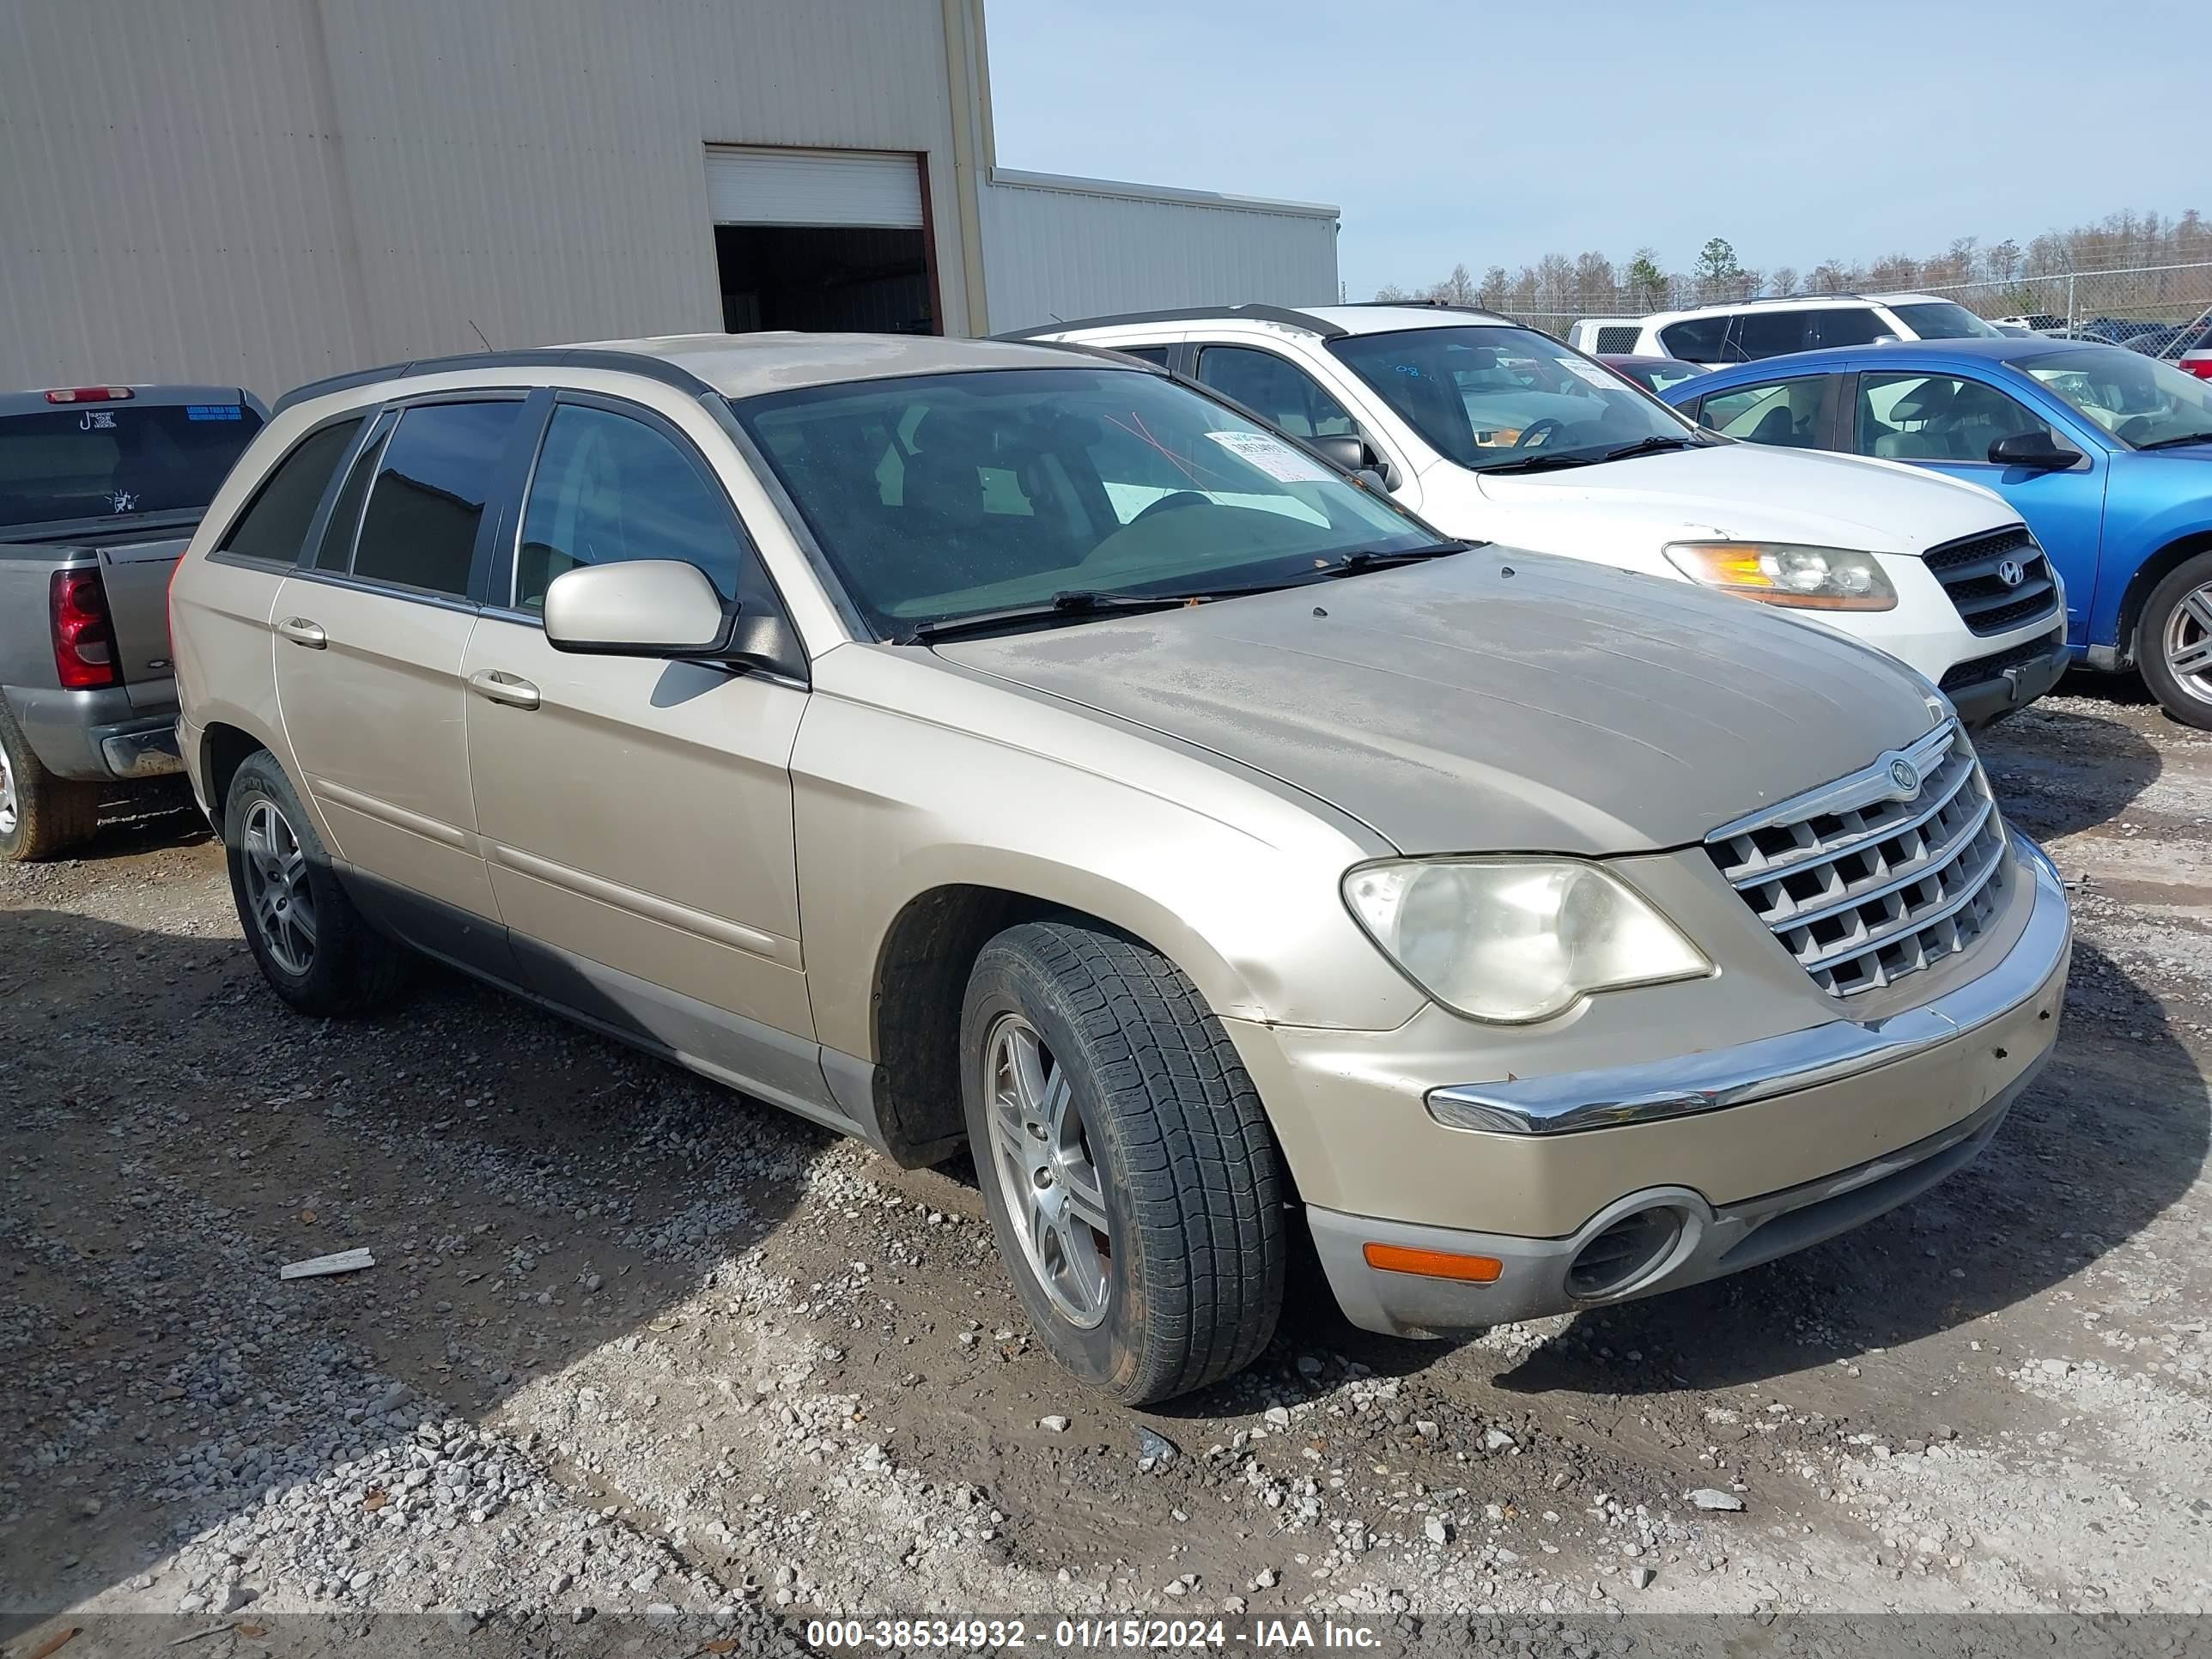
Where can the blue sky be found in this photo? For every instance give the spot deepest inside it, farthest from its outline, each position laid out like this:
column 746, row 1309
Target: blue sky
column 1492, row 135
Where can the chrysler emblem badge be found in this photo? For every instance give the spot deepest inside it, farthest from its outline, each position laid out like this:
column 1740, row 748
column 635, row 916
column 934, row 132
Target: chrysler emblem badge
column 1906, row 780
column 2010, row 573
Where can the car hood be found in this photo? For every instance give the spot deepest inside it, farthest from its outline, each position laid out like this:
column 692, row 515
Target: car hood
column 1454, row 706
column 1743, row 492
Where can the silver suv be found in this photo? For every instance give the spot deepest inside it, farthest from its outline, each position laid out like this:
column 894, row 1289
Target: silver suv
column 1008, row 747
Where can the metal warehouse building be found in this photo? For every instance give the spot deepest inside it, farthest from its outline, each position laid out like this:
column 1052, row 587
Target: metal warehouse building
column 268, row 191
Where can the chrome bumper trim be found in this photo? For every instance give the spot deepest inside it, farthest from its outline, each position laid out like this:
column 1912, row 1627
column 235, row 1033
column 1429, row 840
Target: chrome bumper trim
column 1782, row 1065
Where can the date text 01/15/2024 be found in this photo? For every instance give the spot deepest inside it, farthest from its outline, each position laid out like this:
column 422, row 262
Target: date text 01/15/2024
column 1080, row 1635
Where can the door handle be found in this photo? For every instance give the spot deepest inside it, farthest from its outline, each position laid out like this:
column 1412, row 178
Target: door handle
column 300, row 631
column 502, row 687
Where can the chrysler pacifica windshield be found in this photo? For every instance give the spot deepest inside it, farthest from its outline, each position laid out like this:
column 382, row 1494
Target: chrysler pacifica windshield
column 948, row 497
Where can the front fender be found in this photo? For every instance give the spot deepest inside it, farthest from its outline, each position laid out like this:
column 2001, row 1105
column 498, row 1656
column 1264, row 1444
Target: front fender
column 1234, row 877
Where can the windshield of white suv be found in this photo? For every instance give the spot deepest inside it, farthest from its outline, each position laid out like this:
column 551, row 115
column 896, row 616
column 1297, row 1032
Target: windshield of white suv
column 1493, row 397
column 2140, row 401
column 947, row 497
column 1940, row 319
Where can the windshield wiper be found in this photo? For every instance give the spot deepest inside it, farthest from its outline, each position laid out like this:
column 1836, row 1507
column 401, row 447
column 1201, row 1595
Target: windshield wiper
column 1367, row 559
column 1072, row 603
column 1656, row 444
column 2178, row 438
column 1539, row 462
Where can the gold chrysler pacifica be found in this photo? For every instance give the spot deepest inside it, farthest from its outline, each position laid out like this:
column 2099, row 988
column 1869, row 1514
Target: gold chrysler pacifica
column 1012, row 748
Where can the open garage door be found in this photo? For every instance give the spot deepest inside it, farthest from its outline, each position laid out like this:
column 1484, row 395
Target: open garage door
column 820, row 239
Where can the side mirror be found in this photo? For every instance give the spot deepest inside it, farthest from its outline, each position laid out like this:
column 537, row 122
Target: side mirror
column 662, row 608
column 1347, row 451
column 1355, row 455
column 2036, row 451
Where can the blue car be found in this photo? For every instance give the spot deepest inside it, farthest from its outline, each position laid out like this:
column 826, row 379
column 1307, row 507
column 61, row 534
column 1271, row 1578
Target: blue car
column 2107, row 454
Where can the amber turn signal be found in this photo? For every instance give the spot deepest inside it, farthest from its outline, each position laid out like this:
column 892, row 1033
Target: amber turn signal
column 1434, row 1264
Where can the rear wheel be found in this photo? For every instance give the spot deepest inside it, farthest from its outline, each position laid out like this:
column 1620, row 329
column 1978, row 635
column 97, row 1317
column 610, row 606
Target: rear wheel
column 2173, row 641
column 1126, row 1161
column 314, row 946
column 41, row 815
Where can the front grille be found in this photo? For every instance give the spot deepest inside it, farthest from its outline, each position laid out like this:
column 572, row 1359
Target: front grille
column 1975, row 670
column 1986, row 602
column 1866, row 880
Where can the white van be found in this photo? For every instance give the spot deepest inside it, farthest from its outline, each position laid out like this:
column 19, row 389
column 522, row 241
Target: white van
column 1753, row 329
column 1497, row 432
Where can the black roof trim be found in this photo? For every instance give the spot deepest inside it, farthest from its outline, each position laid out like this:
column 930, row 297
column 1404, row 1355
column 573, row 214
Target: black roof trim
column 1303, row 321
column 623, row 363
column 1427, row 305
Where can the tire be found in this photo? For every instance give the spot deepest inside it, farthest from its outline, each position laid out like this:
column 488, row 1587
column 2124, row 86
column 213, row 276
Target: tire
column 315, row 948
column 2177, row 621
column 41, row 815
column 1168, row 1142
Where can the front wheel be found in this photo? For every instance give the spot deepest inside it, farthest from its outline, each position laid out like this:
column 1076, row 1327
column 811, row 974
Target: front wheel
column 1131, row 1177
column 2173, row 641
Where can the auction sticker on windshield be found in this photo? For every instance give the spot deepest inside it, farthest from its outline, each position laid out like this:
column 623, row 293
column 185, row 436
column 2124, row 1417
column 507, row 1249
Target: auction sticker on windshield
column 1603, row 379
column 1273, row 457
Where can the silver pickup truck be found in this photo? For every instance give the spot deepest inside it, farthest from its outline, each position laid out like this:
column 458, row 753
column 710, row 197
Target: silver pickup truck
column 100, row 488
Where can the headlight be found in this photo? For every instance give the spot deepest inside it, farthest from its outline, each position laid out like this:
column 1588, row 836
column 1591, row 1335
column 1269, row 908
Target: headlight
column 1515, row 939
column 1788, row 574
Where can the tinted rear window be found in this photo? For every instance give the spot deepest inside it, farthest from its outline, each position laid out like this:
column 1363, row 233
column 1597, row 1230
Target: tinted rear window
column 115, row 459
column 275, row 525
column 420, row 530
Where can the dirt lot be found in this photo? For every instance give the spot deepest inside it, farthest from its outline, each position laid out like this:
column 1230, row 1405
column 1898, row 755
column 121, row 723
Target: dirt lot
column 636, row 1345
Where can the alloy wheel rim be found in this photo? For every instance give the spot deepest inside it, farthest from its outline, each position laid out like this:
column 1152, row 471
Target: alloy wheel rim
column 1041, row 1149
column 276, row 888
column 9, row 812
column 2189, row 643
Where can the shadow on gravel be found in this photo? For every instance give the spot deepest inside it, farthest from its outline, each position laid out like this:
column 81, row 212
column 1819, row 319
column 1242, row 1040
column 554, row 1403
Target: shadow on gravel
column 2060, row 771
column 140, row 817
column 2113, row 1132
column 172, row 1134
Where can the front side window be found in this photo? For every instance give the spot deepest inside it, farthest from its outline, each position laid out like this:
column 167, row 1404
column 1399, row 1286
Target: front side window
column 1762, row 334
column 1941, row 320
column 1485, row 396
column 1849, row 325
column 1936, row 417
column 1784, row 413
column 608, row 488
column 114, row 459
column 950, row 496
column 420, row 528
column 276, row 522
column 2140, row 401
column 1279, row 390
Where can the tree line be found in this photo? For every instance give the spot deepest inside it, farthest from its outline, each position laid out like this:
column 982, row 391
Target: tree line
column 1593, row 284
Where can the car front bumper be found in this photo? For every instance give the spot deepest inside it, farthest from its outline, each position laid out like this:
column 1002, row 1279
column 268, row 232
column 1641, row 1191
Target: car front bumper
column 1985, row 689
column 1921, row 1089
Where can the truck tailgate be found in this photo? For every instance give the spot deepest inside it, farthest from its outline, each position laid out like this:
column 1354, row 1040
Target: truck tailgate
column 137, row 577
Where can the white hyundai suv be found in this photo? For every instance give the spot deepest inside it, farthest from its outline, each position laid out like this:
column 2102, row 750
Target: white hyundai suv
column 1496, row 433
column 1750, row 330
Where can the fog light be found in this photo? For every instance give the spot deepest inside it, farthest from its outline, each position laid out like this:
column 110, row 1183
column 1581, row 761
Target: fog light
column 1434, row 1264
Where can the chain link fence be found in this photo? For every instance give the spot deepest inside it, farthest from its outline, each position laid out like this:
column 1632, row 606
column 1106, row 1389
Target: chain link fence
column 2160, row 310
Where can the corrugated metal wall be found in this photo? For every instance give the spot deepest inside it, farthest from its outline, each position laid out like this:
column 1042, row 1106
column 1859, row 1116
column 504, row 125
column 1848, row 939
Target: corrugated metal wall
column 264, row 191
column 1068, row 248
column 267, row 191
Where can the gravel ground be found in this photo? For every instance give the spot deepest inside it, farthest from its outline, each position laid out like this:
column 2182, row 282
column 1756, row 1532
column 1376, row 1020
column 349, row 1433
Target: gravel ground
column 636, row 1350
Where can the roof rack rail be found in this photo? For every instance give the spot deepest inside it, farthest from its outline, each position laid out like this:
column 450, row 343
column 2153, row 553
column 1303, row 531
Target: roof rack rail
column 1305, row 322
column 626, row 362
column 1431, row 305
